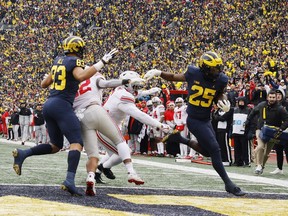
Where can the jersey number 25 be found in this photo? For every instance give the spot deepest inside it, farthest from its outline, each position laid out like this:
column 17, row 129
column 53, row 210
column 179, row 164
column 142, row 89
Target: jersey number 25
column 202, row 97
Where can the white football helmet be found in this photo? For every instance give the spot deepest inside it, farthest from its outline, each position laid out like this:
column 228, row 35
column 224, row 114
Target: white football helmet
column 136, row 82
column 149, row 103
column 179, row 101
column 156, row 100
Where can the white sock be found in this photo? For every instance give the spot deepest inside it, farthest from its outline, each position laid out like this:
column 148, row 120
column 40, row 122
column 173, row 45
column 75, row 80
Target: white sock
column 123, row 151
column 91, row 175
column 129, row 167
column 112, row 161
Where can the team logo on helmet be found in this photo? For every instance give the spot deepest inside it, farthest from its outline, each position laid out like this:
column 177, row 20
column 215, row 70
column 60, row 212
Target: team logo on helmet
column 211, row 64
column 74, row 44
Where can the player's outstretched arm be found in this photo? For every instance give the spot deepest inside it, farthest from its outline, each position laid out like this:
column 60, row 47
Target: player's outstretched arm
column 132, row 110
column 165, row 75
column 112, row 83
column 85, row 74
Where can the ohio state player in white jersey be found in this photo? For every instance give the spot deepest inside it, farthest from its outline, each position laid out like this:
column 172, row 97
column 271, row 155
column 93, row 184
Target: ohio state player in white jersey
column 158, row 114
column 180, row 117
column 122, row 103
column 94, row 117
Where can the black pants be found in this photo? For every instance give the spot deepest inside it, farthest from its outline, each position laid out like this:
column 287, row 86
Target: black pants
column 223, row 140
column 242, row 150
column 279, row 148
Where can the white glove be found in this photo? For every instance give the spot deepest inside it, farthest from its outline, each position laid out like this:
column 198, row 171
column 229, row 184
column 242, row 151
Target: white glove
column 45, row 76
column 166, row 128
column 151, row 73
column 108, row 56
column 224, row 105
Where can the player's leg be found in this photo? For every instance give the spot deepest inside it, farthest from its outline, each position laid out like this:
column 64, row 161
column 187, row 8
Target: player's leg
column 71, row 129
column 110, row 136
column 119, row 156
column 205, row 135
column 20, row 155
column 92, row 150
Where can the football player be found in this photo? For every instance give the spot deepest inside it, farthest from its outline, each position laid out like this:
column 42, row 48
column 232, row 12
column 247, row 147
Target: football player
column 180, row 116
column 66, row 73
column 206, row 85
column 93, row 117
column 120, row 104
column 158, row 114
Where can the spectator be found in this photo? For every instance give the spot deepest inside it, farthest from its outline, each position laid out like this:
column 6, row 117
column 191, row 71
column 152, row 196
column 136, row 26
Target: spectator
column 15, row 123
column 272, row 114
column 242, row 154
column 40, row 128
column 24, row 121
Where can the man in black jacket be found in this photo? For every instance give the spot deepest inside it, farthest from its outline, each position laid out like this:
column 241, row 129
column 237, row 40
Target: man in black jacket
column 40, row 129
column 24, row 121
column 15, row 123
column 269, row 113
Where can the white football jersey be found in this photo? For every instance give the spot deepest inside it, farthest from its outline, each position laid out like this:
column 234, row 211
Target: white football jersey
column 180, row 115
column 158, row 112
column 120, row 95
column 88, row 92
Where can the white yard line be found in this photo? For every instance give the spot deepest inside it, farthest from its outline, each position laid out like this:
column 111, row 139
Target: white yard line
column 256, row 179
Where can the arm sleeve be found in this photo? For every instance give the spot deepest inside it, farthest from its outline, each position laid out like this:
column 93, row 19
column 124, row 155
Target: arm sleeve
column 113, row 83
column 284, row 115
column 132, row 110
column 148, row 92
column 273, row 84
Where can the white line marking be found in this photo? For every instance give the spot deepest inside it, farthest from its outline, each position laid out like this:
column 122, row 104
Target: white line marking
column 257, row 179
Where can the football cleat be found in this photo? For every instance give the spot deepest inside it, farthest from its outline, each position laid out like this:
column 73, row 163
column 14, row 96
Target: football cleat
column 107, row 172
column 19, row 157
column 71, row 188
column 134, row 178
column 90, row 186
column 98, row 178
column 233, row 189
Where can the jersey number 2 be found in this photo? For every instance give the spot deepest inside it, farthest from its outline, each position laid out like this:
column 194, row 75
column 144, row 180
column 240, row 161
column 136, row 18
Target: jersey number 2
column 202, row 97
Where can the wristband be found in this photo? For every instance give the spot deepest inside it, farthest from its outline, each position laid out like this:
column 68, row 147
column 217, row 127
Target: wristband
column 104, row 62
column 99, row 65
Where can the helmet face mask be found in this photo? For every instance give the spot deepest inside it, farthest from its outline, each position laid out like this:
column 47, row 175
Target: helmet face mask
column 136, row 82
column 179, row 102
column 211, row 65
column 74, row 45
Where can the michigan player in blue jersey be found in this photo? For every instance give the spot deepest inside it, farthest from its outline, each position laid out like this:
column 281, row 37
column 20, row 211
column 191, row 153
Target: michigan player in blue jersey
column 206, row 85
column 64, row 78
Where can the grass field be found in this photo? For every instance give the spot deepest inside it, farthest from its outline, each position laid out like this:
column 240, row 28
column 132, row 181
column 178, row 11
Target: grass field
column 160, row 174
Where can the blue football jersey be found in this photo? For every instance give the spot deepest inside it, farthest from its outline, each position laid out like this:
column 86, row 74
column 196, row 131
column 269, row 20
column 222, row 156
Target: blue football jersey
column 64, row 84
column 201, row 92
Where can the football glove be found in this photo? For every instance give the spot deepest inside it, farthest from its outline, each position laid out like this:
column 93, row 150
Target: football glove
column 151, row 73
column 166, row 128
column 224, row 105
column 108, row 56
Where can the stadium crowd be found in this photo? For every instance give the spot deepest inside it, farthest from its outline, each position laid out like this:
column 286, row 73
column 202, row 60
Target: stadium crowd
column 251, row 37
